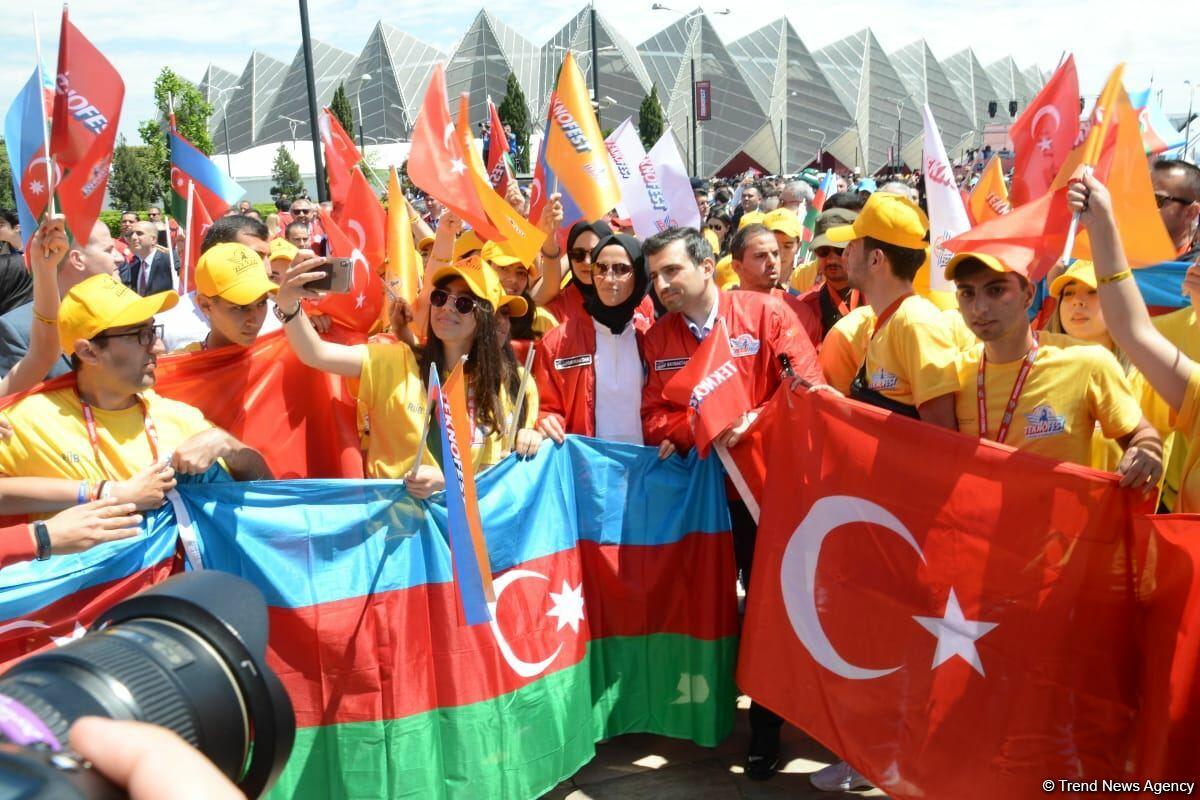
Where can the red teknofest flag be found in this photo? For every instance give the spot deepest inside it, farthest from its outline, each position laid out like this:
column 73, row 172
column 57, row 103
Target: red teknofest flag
column 711, row 387
column 87, row 110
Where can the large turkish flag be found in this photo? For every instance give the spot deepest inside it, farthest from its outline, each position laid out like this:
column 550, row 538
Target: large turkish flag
column 952, row 617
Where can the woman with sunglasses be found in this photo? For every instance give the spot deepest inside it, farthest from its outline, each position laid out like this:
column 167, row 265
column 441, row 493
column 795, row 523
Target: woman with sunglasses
column 392, row 391
column 581, row 241
column 720, row 223
column 589, row 370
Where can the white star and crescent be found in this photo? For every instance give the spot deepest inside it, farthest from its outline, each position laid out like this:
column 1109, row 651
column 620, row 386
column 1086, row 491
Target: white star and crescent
column 956, row 635
column 567, row 608
column 457, row 166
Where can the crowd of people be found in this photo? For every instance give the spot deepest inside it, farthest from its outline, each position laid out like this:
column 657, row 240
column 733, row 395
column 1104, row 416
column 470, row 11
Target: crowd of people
column 1071, row 367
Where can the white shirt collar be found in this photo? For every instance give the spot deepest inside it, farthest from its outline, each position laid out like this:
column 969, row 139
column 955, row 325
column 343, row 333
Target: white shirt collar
column 702, row 332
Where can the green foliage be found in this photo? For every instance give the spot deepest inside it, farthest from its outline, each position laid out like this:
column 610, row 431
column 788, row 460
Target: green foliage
column 650, row 119
column 513, row 111
column 135, row 182
column 6, row 190
column 191, row 120
column 340, row 106
column 285, row 175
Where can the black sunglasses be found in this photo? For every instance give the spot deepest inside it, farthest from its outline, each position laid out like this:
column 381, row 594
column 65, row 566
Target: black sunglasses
column 1162, row 199
column 825, row 252
column 579, row 254
column 616, row 270
column 463, row 303
column 146, row 336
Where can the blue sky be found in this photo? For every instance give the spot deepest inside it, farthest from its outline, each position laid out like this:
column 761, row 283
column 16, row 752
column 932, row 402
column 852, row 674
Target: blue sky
column 1153, row 37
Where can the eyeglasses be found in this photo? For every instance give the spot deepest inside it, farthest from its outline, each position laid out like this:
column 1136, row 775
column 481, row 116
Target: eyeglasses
column 579, row 254
column 616, row 270
column 1162, row 199
column 146, row 336
column 826, row 252
column 463, row 303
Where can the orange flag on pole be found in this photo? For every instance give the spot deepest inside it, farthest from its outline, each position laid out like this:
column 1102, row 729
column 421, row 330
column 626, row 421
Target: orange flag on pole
column 403, row 269
column 575, row 147
column 989, row 198
column 518, row 236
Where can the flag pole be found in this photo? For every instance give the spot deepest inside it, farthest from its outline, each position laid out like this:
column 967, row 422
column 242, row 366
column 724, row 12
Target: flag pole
column 1074, row 226
column 37, row 46
column 424, row 423
column 516, row 421
column 187, row 228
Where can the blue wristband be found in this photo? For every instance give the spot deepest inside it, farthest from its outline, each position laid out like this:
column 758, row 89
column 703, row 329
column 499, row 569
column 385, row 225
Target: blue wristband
column 81, row 496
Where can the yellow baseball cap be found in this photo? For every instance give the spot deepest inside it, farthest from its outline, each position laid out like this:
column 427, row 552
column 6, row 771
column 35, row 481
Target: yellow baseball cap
column 493, row 254
column 785, row 221
column 751, row 216
column 466, row 242
column 233, row 272
column 283, row 250
column 1081, row 271
column 102, row 302
column 426, row 241
column 889, row 218
column 483, row 282
column 989, row 261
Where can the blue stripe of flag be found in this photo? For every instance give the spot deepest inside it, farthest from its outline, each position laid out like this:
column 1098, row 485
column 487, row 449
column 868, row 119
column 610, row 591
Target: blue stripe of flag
column 24, row 136
column 310, row 542
column 202, row 171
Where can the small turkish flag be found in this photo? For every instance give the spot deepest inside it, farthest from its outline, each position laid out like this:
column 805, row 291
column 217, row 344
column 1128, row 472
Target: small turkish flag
column 953, row 617
column 1044, row 134
column 362, row 217
column 360, row 308
column 341, row 156
column 711, row 387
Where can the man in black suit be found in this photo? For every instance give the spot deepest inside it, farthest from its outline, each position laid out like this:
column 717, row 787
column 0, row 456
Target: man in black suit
column 149, row 270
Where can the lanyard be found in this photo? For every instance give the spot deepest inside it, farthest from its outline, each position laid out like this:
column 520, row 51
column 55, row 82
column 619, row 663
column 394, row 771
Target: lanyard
column 1011, row 407
column 882, row 319
column 835, row 297
column 89, row 420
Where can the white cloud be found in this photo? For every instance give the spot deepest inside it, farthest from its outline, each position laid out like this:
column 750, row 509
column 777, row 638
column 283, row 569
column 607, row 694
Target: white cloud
column 1150, row 36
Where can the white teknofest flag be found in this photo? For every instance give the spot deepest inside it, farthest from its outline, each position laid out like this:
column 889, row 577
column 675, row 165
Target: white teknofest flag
column 947, row 213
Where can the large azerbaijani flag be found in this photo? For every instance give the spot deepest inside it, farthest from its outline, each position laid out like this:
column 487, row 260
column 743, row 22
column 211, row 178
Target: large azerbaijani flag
column 615, row 613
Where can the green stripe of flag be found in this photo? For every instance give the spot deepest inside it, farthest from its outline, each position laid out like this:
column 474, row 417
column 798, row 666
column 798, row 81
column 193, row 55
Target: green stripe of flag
column 522, row 744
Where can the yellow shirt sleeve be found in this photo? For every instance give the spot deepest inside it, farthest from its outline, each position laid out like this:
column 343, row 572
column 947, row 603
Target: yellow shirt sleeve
column 1110, row 399
column 844, row 348
column 926, row 349
column 1188, row 425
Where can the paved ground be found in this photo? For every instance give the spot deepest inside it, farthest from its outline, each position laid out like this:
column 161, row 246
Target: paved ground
column 643, row 767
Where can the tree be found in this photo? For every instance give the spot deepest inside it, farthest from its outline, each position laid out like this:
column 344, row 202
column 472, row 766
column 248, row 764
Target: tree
column 6, row 189
column 514, row 114
column 135, row 182
column 285, row 175
column 340, row 106
column 191, row 120
column 650, row 119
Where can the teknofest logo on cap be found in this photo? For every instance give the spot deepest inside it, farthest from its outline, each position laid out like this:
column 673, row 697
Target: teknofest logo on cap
column 243, row 261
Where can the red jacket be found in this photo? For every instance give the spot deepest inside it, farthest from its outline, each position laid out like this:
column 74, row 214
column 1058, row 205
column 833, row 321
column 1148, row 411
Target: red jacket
column 566, row 376
column 808, row 318
column 760, row 329
column 568, row 305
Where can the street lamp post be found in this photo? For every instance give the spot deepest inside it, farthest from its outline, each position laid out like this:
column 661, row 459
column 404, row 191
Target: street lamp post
column 293, row 123
column 225, row 126
column 1187, row 128
column 311, row 83
column 692, row 60
column 595, row 62
column 366, row 76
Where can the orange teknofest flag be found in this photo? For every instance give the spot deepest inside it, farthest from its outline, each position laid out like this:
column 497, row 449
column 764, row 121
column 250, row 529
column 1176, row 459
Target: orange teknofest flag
column 989, row 198
column 403, row 261
column 522, row 239
column 575, row 147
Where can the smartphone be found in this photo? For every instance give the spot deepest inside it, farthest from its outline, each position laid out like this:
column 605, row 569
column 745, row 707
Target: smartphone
column 337, row 276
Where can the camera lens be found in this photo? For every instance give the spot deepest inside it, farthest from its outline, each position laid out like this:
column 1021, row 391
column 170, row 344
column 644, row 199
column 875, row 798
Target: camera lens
column 187, row 655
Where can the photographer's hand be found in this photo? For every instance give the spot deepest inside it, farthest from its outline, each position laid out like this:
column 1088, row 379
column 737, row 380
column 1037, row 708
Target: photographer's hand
column 149, row 762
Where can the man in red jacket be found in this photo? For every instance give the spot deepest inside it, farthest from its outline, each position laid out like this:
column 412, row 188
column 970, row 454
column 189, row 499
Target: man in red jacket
column 761, row 329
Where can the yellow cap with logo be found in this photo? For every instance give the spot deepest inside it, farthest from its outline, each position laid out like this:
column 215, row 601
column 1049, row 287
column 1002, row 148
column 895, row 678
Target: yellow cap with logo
column 233, row 272
column 483, row 282
column 282, row 250
column 1082, row 271
column 888, row 218
column 785, row 221
column 102, row 302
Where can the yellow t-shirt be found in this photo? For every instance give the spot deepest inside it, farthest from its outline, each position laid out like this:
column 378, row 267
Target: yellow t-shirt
column 727, row 279
column 845, row 346
column 1188, row 426
column 50, row 439
column 1180, row 328
column 394, row 400
column 804, row 277
column 912, row 358
column 1071, row 388
column 710, row 236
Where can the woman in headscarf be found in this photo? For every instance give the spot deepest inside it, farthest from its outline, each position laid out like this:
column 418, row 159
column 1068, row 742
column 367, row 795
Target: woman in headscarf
column 589, row 370
column 581, row 241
